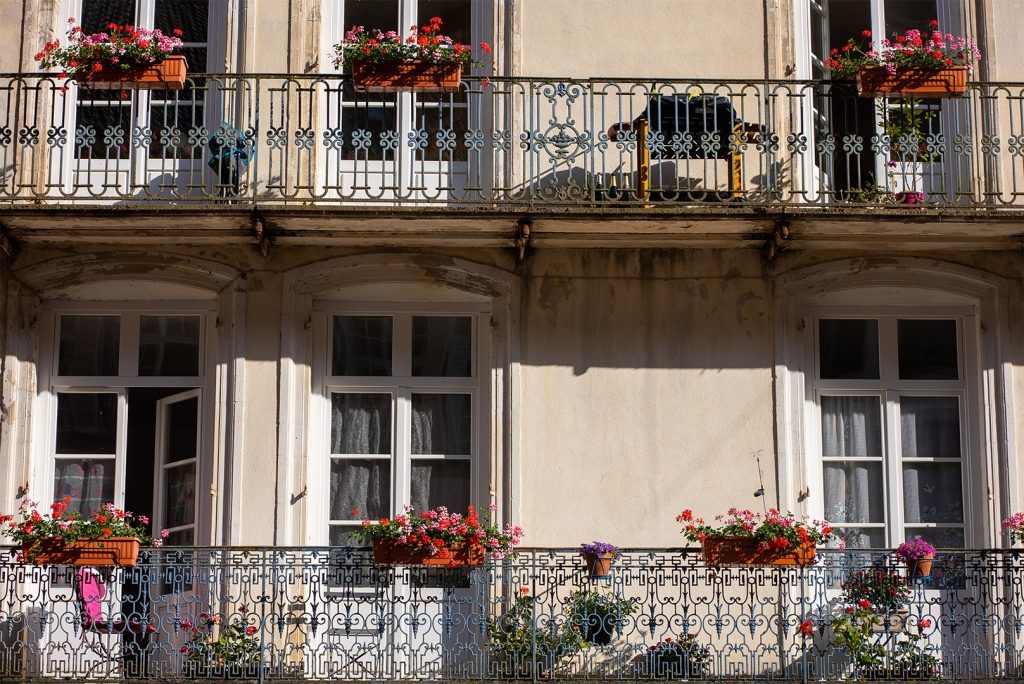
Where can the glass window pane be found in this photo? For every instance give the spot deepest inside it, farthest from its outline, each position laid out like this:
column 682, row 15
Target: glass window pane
column 932, row 493
column 442, row 346
column 182, row 430
column 89, row 345
column 854, row 492
column 180, row 538
column 180, row 496
column 360, row 488
column 851, row 427
column 440, row 483
column 441, row 424
column 903, row 15
column 360, row 423
column 362, row 345
column 341, row 535
column 930, row 427
column 862, row 537
column 849, row 348
column 456, row 18
column 927, row 350
column 86, row 423
column 96, row 14
column 188, row 15
column 89, row 482
column 939, row 537
column 169, row 345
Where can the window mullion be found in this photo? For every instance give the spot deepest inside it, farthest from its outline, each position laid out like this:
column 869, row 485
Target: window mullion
column 402, row 448
column 894, row 468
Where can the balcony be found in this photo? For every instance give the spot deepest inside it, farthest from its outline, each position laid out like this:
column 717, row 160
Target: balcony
column 511, row 145
column 330, row 614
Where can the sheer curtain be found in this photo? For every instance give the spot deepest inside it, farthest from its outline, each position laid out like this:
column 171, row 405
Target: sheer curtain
column 360, row 424
column 851, row 428
column 930, row 428
column 89, row 483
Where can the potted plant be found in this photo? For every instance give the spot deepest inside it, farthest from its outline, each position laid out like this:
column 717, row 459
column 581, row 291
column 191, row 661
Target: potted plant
column 599, row 614
column 910, row 659
column 426, row 61
column 915, row 63
column 747, row 538
column 680, row 658
column 222, row 651
column 918, row 555
column 598, row 557
column 1013, row 528
column 122, row 58
column 855, row 632
column 518, row 641
column 109, row 537
column 437, row 537
column 884, row 591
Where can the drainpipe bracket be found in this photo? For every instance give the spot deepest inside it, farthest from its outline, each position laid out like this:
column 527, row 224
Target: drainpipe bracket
column 524, row 230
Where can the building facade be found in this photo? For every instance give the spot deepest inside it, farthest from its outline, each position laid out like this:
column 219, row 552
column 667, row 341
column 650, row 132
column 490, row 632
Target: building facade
column 266, row 306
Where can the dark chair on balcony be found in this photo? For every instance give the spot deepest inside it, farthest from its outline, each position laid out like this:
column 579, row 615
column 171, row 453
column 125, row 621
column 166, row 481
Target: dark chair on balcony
column 687, row 127
column 102, row 633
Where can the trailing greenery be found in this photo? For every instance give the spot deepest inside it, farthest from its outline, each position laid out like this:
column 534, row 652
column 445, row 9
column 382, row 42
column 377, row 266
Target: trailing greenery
column 596, row 611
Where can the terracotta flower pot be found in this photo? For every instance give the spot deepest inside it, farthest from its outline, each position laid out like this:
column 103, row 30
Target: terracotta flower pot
column 411, row 75
column 166, row 75
column 876, row 81
column 747, row 551
column 921, row 567
column 599, row 566
column 115, row 551
column 389, row 553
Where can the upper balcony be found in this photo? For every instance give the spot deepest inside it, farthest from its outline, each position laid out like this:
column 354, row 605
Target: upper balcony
column 626, row 149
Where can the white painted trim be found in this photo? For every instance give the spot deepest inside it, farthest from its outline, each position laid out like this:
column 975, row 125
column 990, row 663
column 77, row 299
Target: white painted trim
column 990, row 390
column 160, row 464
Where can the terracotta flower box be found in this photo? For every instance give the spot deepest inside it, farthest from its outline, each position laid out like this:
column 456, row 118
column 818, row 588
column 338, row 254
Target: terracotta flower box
column 115, row 551
column 877, row 81
column 166, row 75
column 412, row 75
column 389, row 553
column 746, row 551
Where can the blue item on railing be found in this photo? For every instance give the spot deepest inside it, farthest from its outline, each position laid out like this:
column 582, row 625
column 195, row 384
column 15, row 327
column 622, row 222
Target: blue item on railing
column 230, row 153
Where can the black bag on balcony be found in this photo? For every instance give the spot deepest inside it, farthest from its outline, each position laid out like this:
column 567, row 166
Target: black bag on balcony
column 691, row 126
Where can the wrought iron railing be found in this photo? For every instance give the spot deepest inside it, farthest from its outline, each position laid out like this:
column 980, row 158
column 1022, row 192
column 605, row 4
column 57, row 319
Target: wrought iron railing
column 331, row 614
column 511, row 143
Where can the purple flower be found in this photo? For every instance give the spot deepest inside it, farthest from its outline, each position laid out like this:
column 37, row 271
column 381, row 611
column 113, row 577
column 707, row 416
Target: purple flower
column 914, row 550
column 599, row 548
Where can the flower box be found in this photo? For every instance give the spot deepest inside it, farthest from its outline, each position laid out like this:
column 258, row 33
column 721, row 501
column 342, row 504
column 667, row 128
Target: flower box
column 389, row 553
column 115, row 551
column 410, row 75
column 747, row 551
column 168, row 74
column 877, row 81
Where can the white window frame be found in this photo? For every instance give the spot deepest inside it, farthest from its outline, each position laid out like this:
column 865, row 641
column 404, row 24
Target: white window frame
column 400, row 385
column 889, row 388
column 51, row 384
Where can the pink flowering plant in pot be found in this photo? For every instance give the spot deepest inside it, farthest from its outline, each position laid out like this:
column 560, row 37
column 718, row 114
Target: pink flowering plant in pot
column 918, row 555
column 743, row 536
column 216, row 649
column 929, row 50
column 121, row 48
column 441, row 535
column 423, row 44
column 1013, row 527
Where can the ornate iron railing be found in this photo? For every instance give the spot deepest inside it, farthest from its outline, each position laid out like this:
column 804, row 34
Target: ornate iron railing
column 331, row 614
column 510, row 144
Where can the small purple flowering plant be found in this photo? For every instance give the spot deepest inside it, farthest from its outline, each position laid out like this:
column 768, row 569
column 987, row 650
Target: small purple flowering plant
column 598, row 549
column 914, row 550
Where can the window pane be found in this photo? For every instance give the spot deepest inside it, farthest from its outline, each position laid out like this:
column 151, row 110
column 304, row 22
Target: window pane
column 442, row 346
column 932, row 493
column 341, row 535
column 440, row 483
column 89, row 482
column 927, row 350
column 930, row 427
column 89, row 345
column 180, row 496
column 441, row 424
column 188, row 15
column 361, row 424
column 849, row 348
column 169, row 345
column 86, row 423
column 182, row 430
column 362, row 345
column 360, row 488
column 456, row 18
column 854, row 493
column 851, row 427
column 96, row 14
column 862, row 537
column 903, row 15
column 180, row 538
column 373, row 14
column 940, row 538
